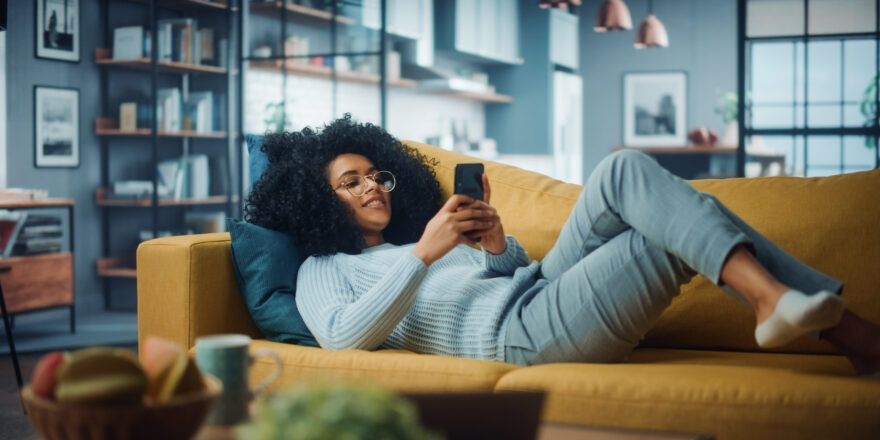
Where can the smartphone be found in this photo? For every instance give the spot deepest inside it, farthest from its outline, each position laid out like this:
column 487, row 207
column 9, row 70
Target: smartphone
column 469, row 180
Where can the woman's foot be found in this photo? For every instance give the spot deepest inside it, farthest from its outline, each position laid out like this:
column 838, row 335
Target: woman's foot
column 796, row 314
column 859, row 341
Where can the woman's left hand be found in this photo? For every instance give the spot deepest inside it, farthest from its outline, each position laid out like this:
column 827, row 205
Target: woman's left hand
column 492, row 239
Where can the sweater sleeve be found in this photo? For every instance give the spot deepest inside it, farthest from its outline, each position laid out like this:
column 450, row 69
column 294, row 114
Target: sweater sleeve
column 507, row 262
column 339, row 319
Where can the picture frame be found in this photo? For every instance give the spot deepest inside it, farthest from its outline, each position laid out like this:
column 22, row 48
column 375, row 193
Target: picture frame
column 655, row 109
column 56, row 127
column 56, row 30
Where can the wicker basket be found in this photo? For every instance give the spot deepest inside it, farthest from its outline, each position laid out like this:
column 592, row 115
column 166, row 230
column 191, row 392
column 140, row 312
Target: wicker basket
column 178, row 418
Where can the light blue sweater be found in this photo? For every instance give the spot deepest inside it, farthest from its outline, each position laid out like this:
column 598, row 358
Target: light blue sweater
column 385, row 297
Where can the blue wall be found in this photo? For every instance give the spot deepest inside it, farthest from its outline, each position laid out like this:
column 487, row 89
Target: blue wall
column 702, row 42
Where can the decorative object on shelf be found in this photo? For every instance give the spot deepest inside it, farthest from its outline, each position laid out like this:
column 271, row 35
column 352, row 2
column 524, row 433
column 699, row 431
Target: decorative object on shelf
column 276, row 120
column 728, row 106
column 561, row 4
column 128, row 116
column 128, row 43
column 57, row 30
column 56, row 127
column 613, row 16
column 262, row 52
column 654, row 108
column 703, row 137
column 651, row 33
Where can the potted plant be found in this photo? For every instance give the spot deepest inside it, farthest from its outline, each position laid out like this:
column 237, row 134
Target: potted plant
column 869, row 110
column 727, row 107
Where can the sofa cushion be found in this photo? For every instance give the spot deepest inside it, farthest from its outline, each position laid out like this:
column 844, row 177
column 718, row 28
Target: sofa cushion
column 396, row 369
column 265, row 265
column 725, row 394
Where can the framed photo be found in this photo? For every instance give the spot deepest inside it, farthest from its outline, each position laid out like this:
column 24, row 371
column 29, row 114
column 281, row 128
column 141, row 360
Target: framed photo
column 56, row 127
column 655, row 109
column 57, row 30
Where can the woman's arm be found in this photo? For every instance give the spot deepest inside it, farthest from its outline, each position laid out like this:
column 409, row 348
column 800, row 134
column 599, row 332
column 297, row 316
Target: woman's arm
column 514, row 256
column 324, row 299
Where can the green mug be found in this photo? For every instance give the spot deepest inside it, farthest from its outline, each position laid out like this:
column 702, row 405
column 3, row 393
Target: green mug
column 227, row 358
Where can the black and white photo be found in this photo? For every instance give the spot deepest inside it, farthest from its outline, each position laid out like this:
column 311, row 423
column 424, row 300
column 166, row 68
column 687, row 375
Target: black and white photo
column 56, row 131
column 654, row 109
column 57, row 29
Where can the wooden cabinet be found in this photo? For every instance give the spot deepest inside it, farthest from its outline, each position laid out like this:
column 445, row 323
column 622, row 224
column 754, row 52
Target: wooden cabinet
column 482, row 31
column 40, row 281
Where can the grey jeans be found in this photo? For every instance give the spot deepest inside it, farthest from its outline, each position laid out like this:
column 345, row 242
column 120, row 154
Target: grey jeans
column 635, row 235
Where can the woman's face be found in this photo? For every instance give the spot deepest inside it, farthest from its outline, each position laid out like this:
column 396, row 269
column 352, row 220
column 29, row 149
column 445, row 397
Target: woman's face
column 372, row 210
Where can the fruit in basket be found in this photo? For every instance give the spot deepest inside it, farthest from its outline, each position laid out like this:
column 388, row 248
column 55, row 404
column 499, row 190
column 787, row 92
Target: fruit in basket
column 170, row 370
column 45, row 374
column 101, row 376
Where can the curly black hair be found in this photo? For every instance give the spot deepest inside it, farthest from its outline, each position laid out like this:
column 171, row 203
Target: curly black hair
column 293, row 195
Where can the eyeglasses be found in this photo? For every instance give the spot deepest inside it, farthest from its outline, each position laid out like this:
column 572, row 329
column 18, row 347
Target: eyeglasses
column 357, row 185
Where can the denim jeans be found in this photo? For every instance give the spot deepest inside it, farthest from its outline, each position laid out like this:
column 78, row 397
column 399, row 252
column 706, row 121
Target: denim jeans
column 635, row 235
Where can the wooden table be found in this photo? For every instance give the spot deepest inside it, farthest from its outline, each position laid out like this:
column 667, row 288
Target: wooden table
column 547, row 431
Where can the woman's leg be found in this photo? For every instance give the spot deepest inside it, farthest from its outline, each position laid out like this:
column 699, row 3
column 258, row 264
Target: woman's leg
column 600, row 308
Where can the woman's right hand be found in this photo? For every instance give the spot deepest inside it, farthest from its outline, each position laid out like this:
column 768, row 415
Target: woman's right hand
column 447, row 228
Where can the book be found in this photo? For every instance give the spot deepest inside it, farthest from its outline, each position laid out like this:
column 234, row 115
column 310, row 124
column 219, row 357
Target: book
column 128, row 116
column 178, row 39
column 170, row 175
column 206, row 45
column 198, row 177
column 128, row 43
column 169, row 104
column 11, row 223
column 200, row 109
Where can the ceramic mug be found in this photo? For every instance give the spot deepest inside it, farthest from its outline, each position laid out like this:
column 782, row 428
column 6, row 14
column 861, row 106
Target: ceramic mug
column 227, row 358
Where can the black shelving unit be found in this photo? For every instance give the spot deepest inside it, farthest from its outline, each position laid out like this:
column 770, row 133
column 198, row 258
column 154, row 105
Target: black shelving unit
column 114, row 267
column 290, row 12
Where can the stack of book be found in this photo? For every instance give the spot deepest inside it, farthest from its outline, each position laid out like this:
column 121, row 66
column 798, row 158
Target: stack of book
column 179, row 40
column 201, row 111
column 11, row 223
column 185, row 178
column 40, row 234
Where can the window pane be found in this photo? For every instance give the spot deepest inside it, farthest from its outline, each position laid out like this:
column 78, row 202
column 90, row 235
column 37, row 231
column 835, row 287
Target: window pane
column 856, row 154
column 772, row 116
column 858, row 67
column 774, row 17
column 799, row 73
column 823, row 152
column 822, row 171
column 841, row 16
column 852, row 116
column 823, row 116
column 823, row 71
column 799, row 155
column 799, row 116
column 772, row 73
column 262, row 97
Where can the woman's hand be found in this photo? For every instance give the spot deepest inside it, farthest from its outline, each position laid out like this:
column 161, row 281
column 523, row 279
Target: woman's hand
column 447, row 228
column 493, row 239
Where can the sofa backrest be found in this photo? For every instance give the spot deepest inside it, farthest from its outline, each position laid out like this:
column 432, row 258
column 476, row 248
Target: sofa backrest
column 829, row 223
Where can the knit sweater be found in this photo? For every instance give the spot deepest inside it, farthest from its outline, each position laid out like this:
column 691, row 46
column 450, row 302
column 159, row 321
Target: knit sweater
column 386, row 297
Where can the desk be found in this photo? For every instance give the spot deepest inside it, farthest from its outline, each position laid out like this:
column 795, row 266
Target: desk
column 699, row 162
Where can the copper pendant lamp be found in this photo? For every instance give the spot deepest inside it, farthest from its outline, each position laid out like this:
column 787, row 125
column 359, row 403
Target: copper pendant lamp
column 651, row 33
column 562, row 4
column 613, row 16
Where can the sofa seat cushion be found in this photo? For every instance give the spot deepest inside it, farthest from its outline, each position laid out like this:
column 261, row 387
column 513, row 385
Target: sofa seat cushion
column 726, row 394
column 396, row 369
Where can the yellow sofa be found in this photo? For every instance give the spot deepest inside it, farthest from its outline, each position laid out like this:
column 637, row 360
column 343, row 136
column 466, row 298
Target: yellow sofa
column 699, row 370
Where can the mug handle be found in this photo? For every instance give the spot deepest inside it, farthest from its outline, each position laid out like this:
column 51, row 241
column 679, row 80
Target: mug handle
column 272, row 376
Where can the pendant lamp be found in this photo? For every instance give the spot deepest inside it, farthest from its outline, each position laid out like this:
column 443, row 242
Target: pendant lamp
column 651, row 33
column 613, row 16
column 562, row 4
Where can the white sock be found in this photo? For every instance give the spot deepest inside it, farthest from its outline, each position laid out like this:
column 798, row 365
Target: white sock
column 797, row 314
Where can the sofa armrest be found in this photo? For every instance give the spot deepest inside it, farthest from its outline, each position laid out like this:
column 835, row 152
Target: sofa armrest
column 186, row 288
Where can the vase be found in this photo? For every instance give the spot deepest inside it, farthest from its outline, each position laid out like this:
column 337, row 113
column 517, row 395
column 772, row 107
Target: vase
column 731, row 135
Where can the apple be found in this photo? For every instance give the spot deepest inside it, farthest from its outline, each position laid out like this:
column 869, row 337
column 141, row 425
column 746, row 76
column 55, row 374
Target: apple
column 45, row 374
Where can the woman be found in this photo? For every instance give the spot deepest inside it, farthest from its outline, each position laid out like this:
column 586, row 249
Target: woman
column 388, row 265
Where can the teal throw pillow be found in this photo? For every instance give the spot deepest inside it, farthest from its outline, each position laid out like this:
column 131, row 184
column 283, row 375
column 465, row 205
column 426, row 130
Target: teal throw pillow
column 266, row 263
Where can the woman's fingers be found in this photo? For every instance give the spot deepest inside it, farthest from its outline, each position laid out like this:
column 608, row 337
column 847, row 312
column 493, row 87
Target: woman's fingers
column 486, row 190
column 471, row 225
column 453, row 203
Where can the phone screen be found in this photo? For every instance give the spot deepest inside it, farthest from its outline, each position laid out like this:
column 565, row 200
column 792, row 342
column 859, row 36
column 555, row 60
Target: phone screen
column 469, row 180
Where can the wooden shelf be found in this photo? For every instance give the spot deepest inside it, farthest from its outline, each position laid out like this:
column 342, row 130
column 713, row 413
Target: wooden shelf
column 485, row 97
column 700, row 149
column 109, row 127
column 102, row 200
column 116, row 267
column 325, row 72
column 273, row 9
column 38, row 281
column 187, row 4
column 43, row 203
column 104, row 57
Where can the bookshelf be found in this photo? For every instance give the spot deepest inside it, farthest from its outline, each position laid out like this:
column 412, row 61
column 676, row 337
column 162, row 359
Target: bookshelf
column 180, row 102
column 42, row 280
column 294, row 11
